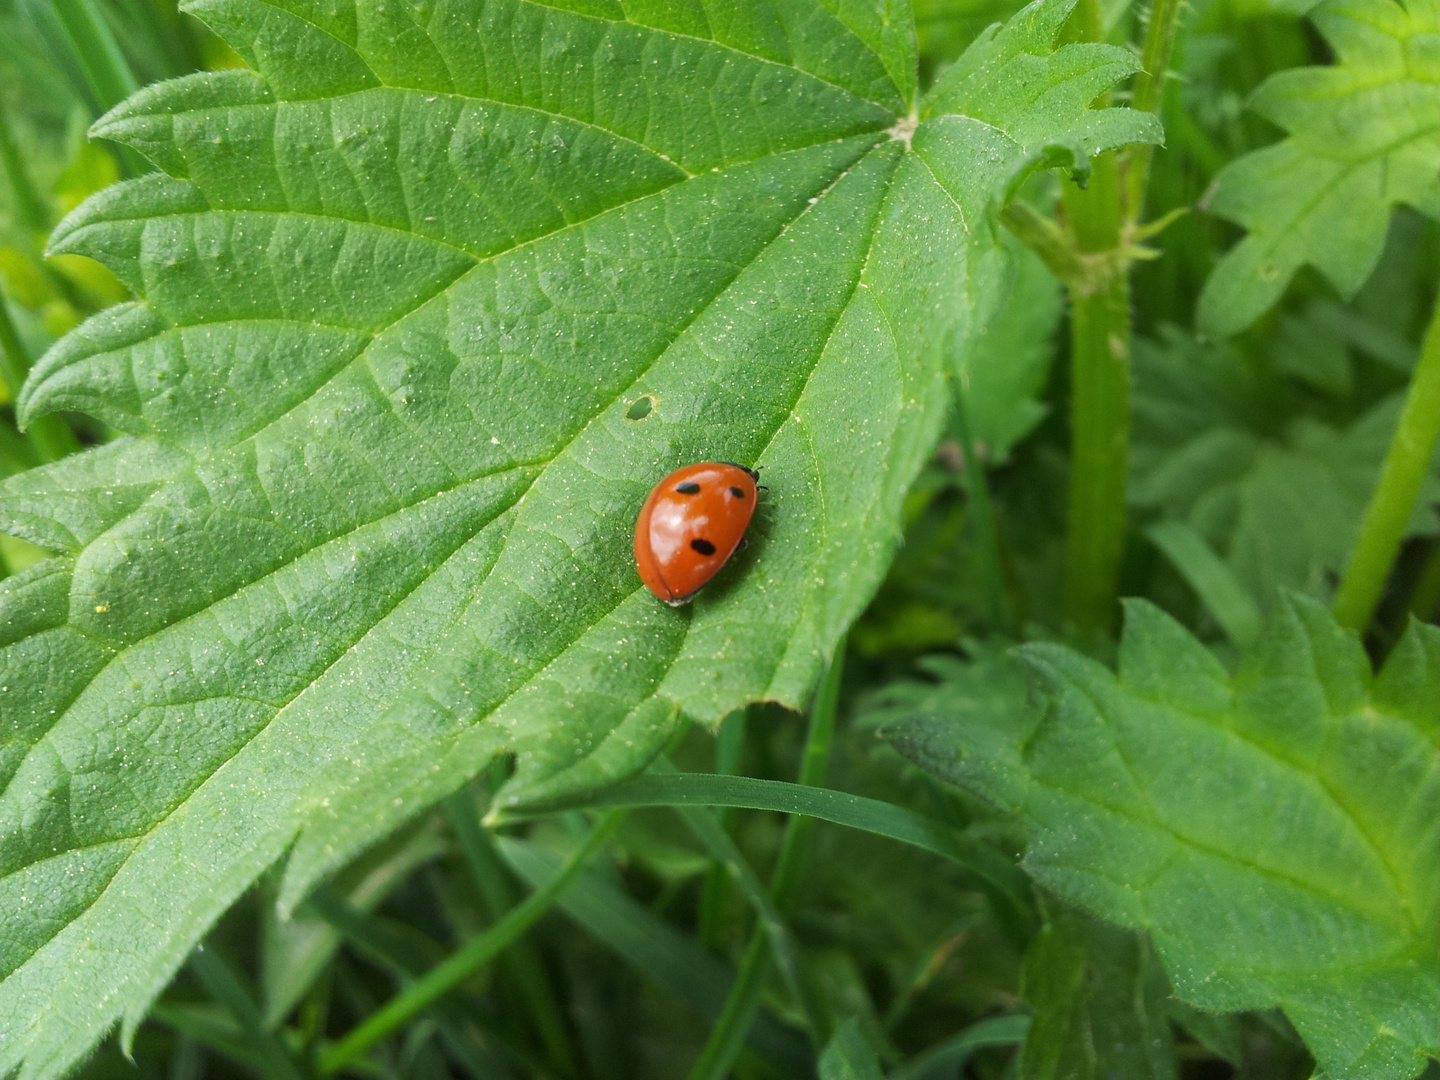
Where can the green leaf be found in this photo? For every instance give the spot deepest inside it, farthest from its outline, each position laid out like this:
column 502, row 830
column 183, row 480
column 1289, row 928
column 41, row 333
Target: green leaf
column 1004, row 371
column 1363, row 138
column 1098, row 999
column 1277, row 494
column 1277, row 832
column 398, row 287
column 848, row 1056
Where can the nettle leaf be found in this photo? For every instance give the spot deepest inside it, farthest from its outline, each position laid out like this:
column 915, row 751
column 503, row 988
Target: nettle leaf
column 369, row 526
column 1277, row 831
column 1363, row 138
column 1278, row 494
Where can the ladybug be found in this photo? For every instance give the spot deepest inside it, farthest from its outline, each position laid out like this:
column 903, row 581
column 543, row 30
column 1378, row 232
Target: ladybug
column 693, row 521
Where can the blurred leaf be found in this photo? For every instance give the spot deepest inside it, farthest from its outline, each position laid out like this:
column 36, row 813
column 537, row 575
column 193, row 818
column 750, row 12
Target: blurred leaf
column 1097, row 997
column 1276, row 832
column 848, row 1056
column 24, row 280
column 1311, row 352
column 1004, row 373
column 1277, row 494
column 1362, row 139
column 295, row 950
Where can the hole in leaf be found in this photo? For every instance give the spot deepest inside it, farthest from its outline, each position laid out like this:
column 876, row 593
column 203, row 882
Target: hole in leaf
column 641, row 407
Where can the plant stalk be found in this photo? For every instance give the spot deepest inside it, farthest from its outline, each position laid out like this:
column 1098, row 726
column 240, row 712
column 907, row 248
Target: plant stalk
column 1393, row 501
column 1149, row 95
column 1099, row 408
column 468, row 959
column 727, row 1038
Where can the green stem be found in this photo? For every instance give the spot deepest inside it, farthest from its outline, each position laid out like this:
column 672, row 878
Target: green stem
column 49, row 435
column 1099, row 412
column 1148, row 96
column 1401, row 477
column 1100, row 387
column 727, row 1038
column 729, row 745
column 224, row 984
column 471, row 957
column 985, row 532
column 524, row 966
column 29, row 207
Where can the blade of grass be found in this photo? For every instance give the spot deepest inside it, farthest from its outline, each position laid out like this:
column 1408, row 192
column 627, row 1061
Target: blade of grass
column 25, row 202
column 707, row 829
column 225, row 985
column 948, row 1058
column 522, row 963
column 1003, row 880
column 1212, row 579
column 83, row 42
column 1393, row 501
column 472, row 956
column 106, row 72
column 728, row 1035
column 729, row 745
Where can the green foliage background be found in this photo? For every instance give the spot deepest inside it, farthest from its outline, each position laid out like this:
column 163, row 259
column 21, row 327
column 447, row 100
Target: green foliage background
column 323, row 664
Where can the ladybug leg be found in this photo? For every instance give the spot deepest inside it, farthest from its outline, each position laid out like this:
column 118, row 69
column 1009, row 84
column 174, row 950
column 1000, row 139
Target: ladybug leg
column 744, row 543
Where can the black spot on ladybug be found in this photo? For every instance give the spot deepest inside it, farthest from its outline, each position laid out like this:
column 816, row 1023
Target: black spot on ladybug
column 704, row 547
column 737, row 493
column 688, row 488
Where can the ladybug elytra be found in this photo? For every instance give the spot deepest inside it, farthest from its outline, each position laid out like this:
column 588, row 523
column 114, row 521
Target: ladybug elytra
column 693, row 521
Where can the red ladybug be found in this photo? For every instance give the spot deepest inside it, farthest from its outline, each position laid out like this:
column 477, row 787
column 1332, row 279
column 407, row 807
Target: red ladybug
column 692, row 522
